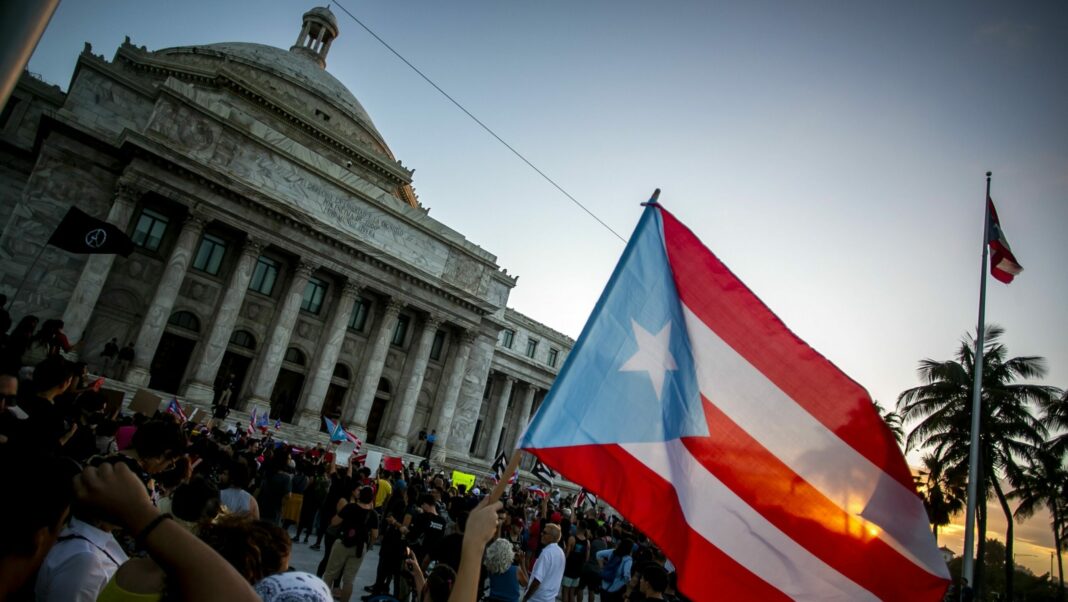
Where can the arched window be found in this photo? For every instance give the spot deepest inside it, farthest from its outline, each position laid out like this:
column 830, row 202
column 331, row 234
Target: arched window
column 294, row 356
column 383, row 386
column 186, row 320
column 341, row 371
column 243, row 338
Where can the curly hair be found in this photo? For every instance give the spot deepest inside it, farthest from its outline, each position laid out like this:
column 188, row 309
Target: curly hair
column 499, row 556
column 256, row 548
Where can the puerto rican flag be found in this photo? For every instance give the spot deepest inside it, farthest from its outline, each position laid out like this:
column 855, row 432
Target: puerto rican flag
column 1003, row 264
column 176, row 408
column 760, row 469
column 340, row 434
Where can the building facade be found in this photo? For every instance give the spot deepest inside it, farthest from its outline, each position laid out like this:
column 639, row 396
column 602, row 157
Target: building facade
column 281, row 254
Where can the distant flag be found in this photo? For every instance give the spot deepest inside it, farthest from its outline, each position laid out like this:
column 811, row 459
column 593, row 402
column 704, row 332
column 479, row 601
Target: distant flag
column 277, row 423
column 97, row 385
column 361, row 459
column 80, row 232
column 758, row 467
column 263, row 422
column 537, row 492
column 543, row 473
column 1003, row 264
column 500, row 464
column 339, row 434
column 585, row 497
column 175, row 408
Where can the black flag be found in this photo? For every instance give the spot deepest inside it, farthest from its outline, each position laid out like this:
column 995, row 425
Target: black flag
column 499, row 466
column 543, row 472
column 83, row 233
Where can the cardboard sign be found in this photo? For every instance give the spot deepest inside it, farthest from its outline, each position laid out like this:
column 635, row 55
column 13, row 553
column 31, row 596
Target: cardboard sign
column 343, row 453
column 200, row 416
column 463, row 478
column 145, row 403
column 393, row 463
column 112, row 401
column 374, row 459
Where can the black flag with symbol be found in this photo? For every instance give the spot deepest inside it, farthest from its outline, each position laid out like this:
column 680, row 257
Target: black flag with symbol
column 80, row 232
column 543, row 472
column 586, row 498
column 499, row 466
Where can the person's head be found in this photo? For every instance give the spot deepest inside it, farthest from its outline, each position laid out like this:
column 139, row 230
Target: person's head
column 499, row 556
column 365, row 495
column 30, row 521
column 256, row 548
column 26, row 326
column 439, row 583
column 550, row 534
column 653, row 579
column 427, row 503
column 158, row 443
column 625, row 547
column 196, row 502
column 52, row 377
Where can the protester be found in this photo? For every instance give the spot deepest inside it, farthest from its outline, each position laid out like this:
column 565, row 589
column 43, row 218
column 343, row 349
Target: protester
column 578, row 554
column 126, row 357
column 256, row 549
column 293, row 587
column 506, row 577
column 358, row 526
column 276, row 484
column 84, row 558
column 16, row 344
column 46, row 429
column 10, row 414
column 548, row 571
column 108, row 357
column 615, row 571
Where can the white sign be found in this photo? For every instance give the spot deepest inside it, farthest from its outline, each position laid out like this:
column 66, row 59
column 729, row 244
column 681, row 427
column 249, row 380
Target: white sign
column 343, row 453
column 374, row 458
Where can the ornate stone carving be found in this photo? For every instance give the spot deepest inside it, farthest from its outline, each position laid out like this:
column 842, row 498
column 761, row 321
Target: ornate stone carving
column 306, row 268
column 393, row 308
column 352, row 288
column 252, row 247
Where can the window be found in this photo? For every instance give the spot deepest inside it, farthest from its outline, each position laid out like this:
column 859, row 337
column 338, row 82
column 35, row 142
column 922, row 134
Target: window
column 294, row 356
column 532, row 347
column 314, row 292
column 341, row 371
column 264, row 276
column 400, row 332
column 149, row 230
column 358, row 318
column 186, row 320
column 210, row 254
column 507, row 338
column 243, row 338
column 9, row 110
column 553, row 355
column 438, row 345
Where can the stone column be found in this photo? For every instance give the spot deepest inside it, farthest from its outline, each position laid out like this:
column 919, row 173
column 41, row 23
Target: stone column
column 322, row 367
column 358, row 412
column 410, row 390
column 452, row 393
column 318, row 45
column 522, row 417
column 266, row 373
column 209, row 354
column 159, row 310
column 498, row 418
column 303, row 34
column 97, row 267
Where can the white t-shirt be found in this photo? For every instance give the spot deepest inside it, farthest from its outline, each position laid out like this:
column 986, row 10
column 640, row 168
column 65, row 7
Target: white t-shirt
column 549, row 571
column 79, row 565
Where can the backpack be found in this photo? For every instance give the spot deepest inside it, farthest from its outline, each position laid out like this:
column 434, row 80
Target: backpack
column 611, row 569
column 356, row 532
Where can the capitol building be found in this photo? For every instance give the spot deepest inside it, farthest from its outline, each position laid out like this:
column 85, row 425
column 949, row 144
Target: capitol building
column 281, row 253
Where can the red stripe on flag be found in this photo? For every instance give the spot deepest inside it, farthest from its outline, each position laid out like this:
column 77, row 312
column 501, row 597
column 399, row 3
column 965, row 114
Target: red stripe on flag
column 806, row 515
column 742, row 320
column 705, row 572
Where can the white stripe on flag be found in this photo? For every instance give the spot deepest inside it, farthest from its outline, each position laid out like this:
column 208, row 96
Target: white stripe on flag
column 809, row 448
column 713, row 511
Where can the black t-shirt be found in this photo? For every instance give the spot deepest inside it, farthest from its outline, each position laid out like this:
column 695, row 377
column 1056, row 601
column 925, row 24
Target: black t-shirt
column 357, row 523
column 448, row 550
column 427, row 530
column 44, row 427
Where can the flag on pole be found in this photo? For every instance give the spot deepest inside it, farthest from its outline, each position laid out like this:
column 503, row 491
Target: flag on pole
column 585, row 497
column 500, row 464
column 543, row 473
column 175, row 408
column 80, row 232
column 1003, row 264
column 760, row 469
column 251, row 422
column 339, row 433
column 537, row 492
column 263, row 422
column 277, row 424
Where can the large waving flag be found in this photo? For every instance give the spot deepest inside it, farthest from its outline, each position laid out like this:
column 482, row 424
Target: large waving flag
column 1003, row 264
column 340, row 434
column 761, row 470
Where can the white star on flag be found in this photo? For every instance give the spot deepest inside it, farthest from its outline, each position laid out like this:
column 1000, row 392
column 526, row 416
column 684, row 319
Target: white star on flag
column 653, row 355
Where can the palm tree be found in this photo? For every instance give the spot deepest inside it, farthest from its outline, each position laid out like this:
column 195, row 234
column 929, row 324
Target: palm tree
column 893, row 422
column 1008, row 430
column 943, row 493
column 1055, row 415
column 1044, row 482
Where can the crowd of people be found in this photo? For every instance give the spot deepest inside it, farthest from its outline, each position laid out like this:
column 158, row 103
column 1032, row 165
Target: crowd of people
column 99, row 504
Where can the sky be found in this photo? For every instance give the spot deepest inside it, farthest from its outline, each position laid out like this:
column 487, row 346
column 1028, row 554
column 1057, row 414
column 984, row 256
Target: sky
column 832, row 155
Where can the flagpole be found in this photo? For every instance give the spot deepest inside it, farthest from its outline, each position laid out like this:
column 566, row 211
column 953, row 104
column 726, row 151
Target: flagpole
column 977, row 394
column 29, row 270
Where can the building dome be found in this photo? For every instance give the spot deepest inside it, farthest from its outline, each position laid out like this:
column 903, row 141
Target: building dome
column 273, row 62
column 323, row 14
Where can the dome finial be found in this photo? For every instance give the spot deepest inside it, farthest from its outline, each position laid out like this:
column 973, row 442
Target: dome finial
column 316, row 34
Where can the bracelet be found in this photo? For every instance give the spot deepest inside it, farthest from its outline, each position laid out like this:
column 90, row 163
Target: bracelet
column 143, row 535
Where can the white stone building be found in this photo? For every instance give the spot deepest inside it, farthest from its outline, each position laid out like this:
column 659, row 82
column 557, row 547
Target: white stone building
column 280, row 248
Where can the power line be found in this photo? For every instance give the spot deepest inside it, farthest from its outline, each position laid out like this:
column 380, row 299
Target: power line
column 479, row 122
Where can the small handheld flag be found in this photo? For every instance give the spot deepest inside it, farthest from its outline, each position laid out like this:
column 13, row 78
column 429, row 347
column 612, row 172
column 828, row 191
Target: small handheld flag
column 543, row 473
column 80, row 232
column 277, row 424
column 175, row 408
